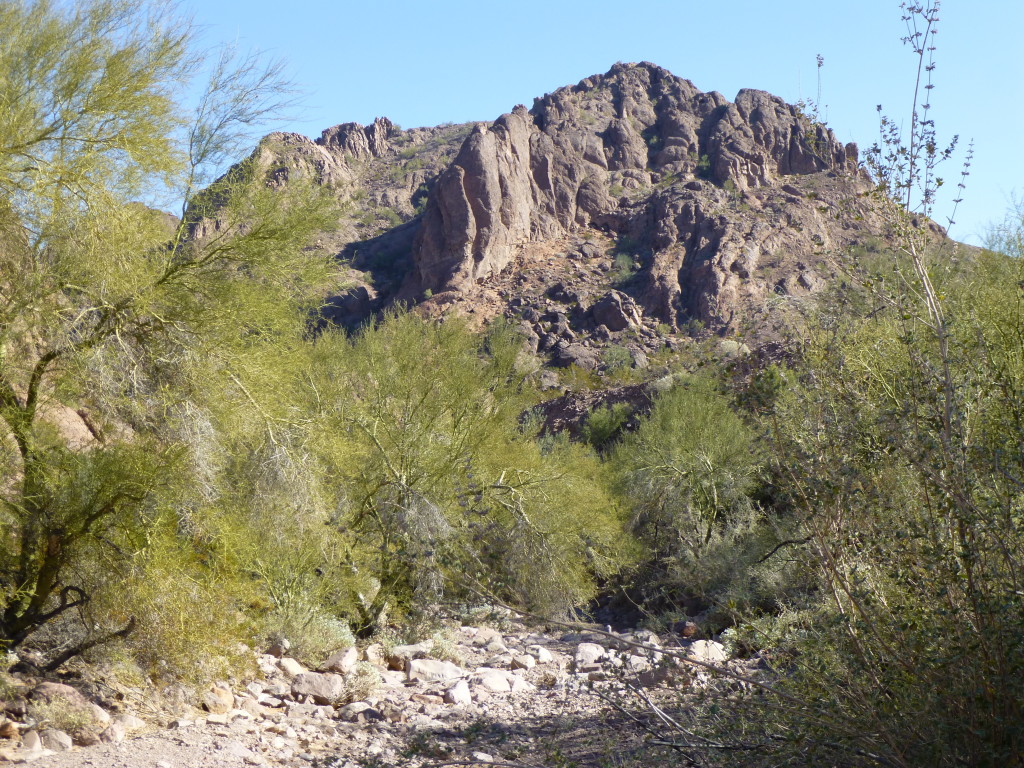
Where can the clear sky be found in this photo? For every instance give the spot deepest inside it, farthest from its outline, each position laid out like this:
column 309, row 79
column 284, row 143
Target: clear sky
column 424, row 63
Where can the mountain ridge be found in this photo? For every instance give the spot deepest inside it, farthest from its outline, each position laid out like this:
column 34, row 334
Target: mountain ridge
column 700, row 212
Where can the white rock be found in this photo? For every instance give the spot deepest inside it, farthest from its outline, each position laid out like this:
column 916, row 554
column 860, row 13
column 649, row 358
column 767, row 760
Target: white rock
column 432, row 670
column 130, row 722
column 341, row 662
column 707, row 651
column 459, row 694
column 588, row 654
column 290, row 667
column 540, row 653
column 482, row 757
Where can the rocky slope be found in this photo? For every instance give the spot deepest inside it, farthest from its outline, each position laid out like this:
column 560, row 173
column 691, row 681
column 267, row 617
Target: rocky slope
column 618, row 211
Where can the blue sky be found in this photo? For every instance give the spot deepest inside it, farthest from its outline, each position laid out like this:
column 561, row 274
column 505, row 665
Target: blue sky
column 422, row 63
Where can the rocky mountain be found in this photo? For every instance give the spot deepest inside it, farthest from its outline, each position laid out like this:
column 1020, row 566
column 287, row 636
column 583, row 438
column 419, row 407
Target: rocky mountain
column 630, row 206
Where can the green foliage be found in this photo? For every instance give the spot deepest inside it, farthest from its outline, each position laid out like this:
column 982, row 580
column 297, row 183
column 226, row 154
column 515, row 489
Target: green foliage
column 604, row 424
column 440, row 491
column 903, row 458
column 134, row 348
column 624, row 268
column 688, row 472
column 616, row 356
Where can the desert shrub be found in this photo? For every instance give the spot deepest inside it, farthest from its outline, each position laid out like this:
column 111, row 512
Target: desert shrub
column 604, row 424
column 439, row 490
column 615, row 357
column 687, row 472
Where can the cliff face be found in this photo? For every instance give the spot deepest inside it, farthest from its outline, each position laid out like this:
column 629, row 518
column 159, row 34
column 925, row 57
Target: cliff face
column 641, row 153
column 632, row 190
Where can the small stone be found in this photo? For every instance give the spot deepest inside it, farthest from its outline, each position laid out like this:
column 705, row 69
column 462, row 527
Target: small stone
column 482, row 757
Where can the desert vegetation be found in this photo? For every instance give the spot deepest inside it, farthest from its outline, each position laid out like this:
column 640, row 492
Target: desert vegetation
column 180, row 428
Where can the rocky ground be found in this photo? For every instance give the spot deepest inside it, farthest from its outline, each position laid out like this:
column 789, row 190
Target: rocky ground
column 477, row 696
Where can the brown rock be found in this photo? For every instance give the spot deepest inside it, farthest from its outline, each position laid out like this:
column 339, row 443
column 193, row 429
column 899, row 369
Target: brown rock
column 218, row 700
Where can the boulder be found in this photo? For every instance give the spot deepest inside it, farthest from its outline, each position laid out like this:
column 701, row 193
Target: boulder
column 459, row 694
column 341, row 662
column 218, row 700
column 708, row 651
column 432, row 671
column 323, row 687
column 55, row 740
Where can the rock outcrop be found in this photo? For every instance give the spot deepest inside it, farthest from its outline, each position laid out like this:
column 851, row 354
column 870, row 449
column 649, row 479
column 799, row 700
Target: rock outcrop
column 639, row 153
column 701, row 211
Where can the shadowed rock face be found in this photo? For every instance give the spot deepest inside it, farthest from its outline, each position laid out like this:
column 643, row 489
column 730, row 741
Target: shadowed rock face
column 615, row 152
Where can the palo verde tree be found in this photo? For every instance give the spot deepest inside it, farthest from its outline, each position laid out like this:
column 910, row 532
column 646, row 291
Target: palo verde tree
column 122, row 330
column 440, row 492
